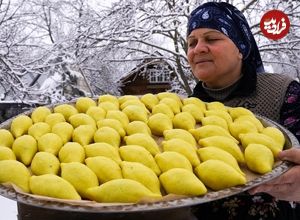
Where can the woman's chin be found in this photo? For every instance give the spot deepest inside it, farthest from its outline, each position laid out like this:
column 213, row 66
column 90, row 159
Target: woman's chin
column 203, row 76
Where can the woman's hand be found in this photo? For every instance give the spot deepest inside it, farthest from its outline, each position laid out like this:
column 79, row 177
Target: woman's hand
column 287, row 186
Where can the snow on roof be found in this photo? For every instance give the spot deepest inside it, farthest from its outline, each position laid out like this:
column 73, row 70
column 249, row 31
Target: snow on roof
column 152, row 60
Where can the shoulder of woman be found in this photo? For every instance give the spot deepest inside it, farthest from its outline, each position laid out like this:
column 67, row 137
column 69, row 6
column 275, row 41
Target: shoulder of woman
column 275, row 75
column 275, row 78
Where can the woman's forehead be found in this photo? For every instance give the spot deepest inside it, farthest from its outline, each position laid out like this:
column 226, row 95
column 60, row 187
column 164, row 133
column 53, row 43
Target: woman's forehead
column 204, row 31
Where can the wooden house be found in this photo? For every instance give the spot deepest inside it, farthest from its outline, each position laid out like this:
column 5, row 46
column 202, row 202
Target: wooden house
column 153, row 75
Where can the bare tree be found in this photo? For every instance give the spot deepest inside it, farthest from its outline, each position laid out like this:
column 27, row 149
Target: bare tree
column 43, row 41
column 141, row 27
column 73, row 43
column 282, row 55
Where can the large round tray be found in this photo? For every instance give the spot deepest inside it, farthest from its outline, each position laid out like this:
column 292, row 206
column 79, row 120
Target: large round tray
column 92, row 207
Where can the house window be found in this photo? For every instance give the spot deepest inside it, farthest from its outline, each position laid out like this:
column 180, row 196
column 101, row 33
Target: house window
column 159, row 76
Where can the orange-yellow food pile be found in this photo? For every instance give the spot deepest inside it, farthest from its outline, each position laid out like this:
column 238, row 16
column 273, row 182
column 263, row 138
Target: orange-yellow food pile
column 124, row 149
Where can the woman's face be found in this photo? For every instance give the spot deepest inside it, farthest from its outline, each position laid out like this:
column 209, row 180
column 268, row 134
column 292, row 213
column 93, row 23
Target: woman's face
column 213, row 57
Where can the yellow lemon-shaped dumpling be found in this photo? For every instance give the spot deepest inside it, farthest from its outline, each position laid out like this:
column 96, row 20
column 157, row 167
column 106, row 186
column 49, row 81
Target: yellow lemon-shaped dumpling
column 113, row 123
column 103, row 149
column 135, row 103
column 25, row 148
column 108, row 135
column 259, row 158
column 135, row 153
column 172, row 103
column 218, row 175
column 214, row 120
column 208, row 153
column 44, row 163
column 7, row 138
column 12, row 171
column 194, row 111
column 82, row 104
column 211, row 130
column 80, row 176
column 182, row 182
column 149, row 100
column 6, row 153
column 125, row 98
column 180, row 134
column 276, row 134
column 252, row 119
column 71, row 152
column 40, row 113
column 54, row 118
column 223, row 143
column 221, row 113
column 171, row 159
column 236, row 112
column 50, row 142
column 137, row 127
column 38, row 129
column 53, row 186
column 158, row 123
column 241, row 127
column 108, row 98
column 119, row 115
column 171, row 95
column 81, row 119
column 64, row 130
column 259, row 138
column 136, row 113
column 216, row 106
column 20, row 125
column 164, row 109
column 195, row 101
column 182, row 147
column 96, row 112
column 184, row 120
column 121, row 190
column 66, row 109
column 84, row 134
column 143, row 140
column 107, row 106
column 141, row 173
column 105, row 168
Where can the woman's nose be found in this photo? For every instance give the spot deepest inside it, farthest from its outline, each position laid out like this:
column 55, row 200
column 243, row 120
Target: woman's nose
column 201, row 47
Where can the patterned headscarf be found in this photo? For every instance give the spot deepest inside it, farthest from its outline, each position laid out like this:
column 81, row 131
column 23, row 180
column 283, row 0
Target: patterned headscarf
column 231, row 22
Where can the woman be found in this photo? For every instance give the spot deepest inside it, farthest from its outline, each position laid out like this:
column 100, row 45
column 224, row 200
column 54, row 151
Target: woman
column 223, row 55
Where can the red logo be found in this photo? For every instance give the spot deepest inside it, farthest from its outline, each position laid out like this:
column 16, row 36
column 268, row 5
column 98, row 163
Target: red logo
column 275, row 24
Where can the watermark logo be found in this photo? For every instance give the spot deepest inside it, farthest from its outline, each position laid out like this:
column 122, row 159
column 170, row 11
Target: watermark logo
column 275, row 24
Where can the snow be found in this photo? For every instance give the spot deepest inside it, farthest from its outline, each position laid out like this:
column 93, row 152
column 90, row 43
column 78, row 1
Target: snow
column 8, row 209
column 51, row 82
column 269, row 69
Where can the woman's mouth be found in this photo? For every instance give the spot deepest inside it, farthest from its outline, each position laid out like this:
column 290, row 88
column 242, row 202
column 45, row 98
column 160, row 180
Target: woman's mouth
column 203, row 61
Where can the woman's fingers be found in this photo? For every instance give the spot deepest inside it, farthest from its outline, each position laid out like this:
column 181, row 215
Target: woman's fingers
column 284, row 187
column 292, row 155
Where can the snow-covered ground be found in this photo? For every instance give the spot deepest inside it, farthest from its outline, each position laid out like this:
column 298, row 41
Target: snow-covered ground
column 8, row 209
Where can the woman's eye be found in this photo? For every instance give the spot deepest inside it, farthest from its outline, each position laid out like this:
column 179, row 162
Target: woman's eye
column 212, row 39
column 192, row 44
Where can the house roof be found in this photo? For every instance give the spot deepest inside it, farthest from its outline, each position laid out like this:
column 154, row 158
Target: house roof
column 146, row 62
